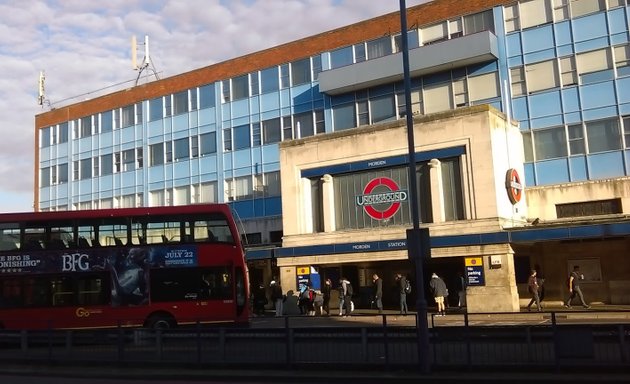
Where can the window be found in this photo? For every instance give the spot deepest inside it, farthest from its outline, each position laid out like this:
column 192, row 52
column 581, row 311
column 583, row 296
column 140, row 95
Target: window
column 301, row 71
column 576, row 139
column 86, row 126
column 317, row 210
column 240, row 188
column 527, row 146
column 225, row 89
column 568, row 72
column 182, row 195
column 317, row 66
column 303, row 124
column 416, row 103
column 483, row 87
column 256, row 134
column 434, row 33
column 156, row 111
column 438, row 97
column 383, row 108
column 168, row 106
column 106, row 121
column 62, row 173
column 478, row 22
column 227, row 139
column 128, row 116
column 187, row 284
column 139, row 157
column 535, row 12
column 595, row 66
column 116, row 162
column 550, row 143
column 452, row 189
column 287, row 128
column 541, row 76
column 96, row 171
column 359, row 52
column 379, row 47
column 622, row 60
column 412, row 40
column 626, row 130
column 168, row 151
column 341, row 57
column 207, row 143
column 560, row 10
column 44, row 179
column 206, row 96
column 603, row 135
column 156, row 151
column 510, row 13
column 363, row 112
column 269, row 80
column 344, row 116
column 272, row 183
column 194, row 146
column 584, row 7
column 320, row 124
column 241, row 137
column 271, row 131
column 193, row 99
column 180, row 102
column 107, row 164
column 86, row 169
column 63, row 132
column 455, row 28
column 240, row 88
column 285, row 80
column 460, row 92
column 181, row 149
column 254, row 84
column 517, row 76
column 45, row 137
column 208, row 192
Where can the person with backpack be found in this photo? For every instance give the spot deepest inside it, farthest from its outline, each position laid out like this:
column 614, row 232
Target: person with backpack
column 346, row 288
column 574, row 287
column 404, row 288
column 439, row 290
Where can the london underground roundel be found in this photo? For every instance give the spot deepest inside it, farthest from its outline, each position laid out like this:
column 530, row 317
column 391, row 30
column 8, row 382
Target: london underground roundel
column 381, row 198
column 513, row 186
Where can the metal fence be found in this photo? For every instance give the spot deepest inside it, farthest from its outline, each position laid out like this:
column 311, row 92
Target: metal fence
column 458, row 341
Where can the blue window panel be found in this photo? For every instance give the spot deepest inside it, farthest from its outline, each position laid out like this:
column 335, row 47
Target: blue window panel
column 155, row 128
column 316, row 94
column 342, row 99
column 227, row 162
column 573, row 117
column 181, row 169
column 437, row 78
column 244, row 209
column 598, row 95
column 513, row 43
column 570, row 100
column 623, row 89
column 597, row 77
column 271, row 167
column 270, row 114
column 156, row 173
column 619, row 38
column 254, row 105
column 480, row 69
column 206, row 116
column 577, row 165
column 240, row 121
column 545, row 104
column 285, row 97
column 605, row 165
column 515, row 61
column 194, row 169
column 623, row 71
column 544, row 122
column 600, row 42
column 240, row 108
column 300, row 108
column 259, row 207
column 302, row 94
column 269, row 102
column 565, row 50
column 242, row 159
column 617, row 21
column 519, row 108
column 600, row 113
column 273, row 206
column 193, row 119
column 624, row 109
column 207, row 128
column 496, row 104
column 588, row 27
column 208, row 164
column 180, row 122
column 552, row 172
column 535, row 57
column 271, row 153
column 563, row 33
column 627, row 158
column 240, row 172
column 538, row 39
column 524, row 125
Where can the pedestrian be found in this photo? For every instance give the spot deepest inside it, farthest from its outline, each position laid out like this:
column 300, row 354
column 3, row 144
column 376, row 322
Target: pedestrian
column 534, row 289
column 574, row 287
column 461, row 290
column 318, row 303
column 378, row 292
column 303, row 298
column 276, row 297
column 260, row 300
column 341, row 298
column 541, row 283
column 346, row 288
column 439, row 291
column 402, row 290
column 326, row 295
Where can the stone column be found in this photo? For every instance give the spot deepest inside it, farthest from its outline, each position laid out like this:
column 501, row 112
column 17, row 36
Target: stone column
column 437, row 194
column 499, row 294
column 328, row 203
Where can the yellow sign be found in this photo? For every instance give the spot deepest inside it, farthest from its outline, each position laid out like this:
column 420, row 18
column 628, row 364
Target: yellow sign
column 303, row 270
column 473, row 261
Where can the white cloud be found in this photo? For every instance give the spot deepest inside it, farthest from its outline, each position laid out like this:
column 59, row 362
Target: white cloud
column 84, row 47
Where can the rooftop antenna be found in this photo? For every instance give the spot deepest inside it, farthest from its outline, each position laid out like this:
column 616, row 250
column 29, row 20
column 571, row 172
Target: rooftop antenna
column 41, row 94
column 146, row 61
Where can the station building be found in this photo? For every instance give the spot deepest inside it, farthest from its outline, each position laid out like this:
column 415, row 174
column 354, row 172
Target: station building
column 531, row 93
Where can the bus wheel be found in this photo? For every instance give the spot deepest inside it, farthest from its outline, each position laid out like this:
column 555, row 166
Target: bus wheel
column 161, row 321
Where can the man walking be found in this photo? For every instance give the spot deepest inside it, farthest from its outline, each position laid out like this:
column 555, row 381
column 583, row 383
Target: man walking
column 534, row 289
column 378, row 292
column 574, row 287
column 438, row 288
column 402, row 289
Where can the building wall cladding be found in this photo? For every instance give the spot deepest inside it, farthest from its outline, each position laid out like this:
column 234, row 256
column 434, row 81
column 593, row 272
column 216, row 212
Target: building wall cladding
column 366, row 30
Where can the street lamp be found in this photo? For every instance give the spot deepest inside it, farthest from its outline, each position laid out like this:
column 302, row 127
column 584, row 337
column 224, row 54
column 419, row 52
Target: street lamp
column 417, row 238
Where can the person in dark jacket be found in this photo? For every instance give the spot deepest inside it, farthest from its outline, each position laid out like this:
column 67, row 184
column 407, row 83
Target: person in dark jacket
column 326, row 295
column 378, row 292
column 260, row 300
column 439, row 291
column 402, row 285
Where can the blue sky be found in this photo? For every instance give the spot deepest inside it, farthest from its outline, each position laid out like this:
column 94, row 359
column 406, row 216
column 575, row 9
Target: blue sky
column 84, row 49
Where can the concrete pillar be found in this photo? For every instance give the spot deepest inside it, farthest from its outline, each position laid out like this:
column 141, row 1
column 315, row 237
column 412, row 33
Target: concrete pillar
column 328, row 203
column 437, row 193
column 307, row 218
column 500, row 293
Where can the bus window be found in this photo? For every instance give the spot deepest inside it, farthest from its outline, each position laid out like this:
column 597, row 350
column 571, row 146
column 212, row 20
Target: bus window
column 163, row 232
column 87, row 236
column 37, row 292
column 212, row 231
column 62, row 292
column 93, row 290
column 33, row 239
column 112, row 235
column 11, row 293
column 61, row 237
column 9, row 237
column 138, row 235
column 190, row 284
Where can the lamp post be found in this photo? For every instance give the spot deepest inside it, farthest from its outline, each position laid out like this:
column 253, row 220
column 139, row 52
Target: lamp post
column 417, row 239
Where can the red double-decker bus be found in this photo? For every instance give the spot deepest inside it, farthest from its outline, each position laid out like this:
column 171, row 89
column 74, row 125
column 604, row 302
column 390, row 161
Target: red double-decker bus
column 155, row 267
